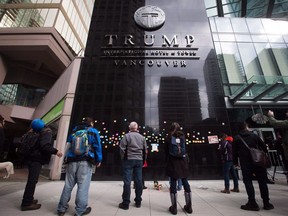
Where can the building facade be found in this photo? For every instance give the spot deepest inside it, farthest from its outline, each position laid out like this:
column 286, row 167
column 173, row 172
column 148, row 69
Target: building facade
column 207, row 65
column 40, row 46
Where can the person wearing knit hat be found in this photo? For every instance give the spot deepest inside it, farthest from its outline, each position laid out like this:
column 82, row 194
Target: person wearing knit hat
column 37, row 125
column 39, row 155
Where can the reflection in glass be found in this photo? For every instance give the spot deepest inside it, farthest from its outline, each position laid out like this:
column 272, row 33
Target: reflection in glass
column 249, row 60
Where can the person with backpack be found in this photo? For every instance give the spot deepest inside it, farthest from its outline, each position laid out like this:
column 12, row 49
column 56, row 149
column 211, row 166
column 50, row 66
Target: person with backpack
column 83, row 151
column 225, row 149
column 39, row 154
column 177, row 167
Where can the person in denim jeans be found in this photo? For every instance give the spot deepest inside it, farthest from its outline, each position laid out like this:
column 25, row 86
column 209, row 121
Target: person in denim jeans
column 79, row 170
column 133, row 148
column 177, row 168
column 225, row 149
column 249, row 170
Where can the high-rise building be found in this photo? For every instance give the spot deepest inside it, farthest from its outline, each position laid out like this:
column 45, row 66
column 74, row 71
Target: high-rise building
column 247, row 8
column 40, row 44
column 205, row 64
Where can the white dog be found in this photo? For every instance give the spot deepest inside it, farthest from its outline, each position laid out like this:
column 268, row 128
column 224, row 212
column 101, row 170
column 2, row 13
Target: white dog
column 8, row 167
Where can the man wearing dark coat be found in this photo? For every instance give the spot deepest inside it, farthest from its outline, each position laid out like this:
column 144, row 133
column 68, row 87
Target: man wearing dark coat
column 240, row 151
column 40, row 155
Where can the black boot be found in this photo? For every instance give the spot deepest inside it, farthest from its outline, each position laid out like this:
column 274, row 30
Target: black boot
column 267, row 205
column 251, row 206
column 188, row 206
column 33, row 206
column 173, row 207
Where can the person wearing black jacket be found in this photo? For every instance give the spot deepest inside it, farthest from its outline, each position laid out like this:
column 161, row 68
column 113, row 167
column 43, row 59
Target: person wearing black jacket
column 177, row 168
column 249, row 169
column 40, row 155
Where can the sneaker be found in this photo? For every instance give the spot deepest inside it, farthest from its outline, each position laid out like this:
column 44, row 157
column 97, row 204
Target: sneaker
column 235, row 190
column 35, row 201
column 123, row 206
column 250, row 206
column 138, row 205
column 60, row 213
column 31, row 207
column 87, row 211
column 225, row 191
column 268, row 206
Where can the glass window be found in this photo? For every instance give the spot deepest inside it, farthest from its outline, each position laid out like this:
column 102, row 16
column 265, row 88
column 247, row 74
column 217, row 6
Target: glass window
column 210, row 3
column 215, row 37
column 226, row 37
column 243, row 38
column 266, row 59
column 223, row 25
column 259, row 38
column 275, row 26
column 212, row 24
column 239, row 25
column 232, row 9
column 280, row 52
column 50, row 19
column 257, row 8
column 249, row 60
column 275, row 38
column 285, row 38
column 232, row 63
column 60, row 22
column 255, row 26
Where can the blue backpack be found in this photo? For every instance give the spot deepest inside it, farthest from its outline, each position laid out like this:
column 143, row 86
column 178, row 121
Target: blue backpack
column 177, row 147
column 79, row 143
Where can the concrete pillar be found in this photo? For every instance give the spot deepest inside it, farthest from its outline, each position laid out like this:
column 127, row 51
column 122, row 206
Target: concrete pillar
column 61, row 140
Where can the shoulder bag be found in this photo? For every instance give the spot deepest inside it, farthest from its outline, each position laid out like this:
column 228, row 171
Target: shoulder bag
column 259, row 157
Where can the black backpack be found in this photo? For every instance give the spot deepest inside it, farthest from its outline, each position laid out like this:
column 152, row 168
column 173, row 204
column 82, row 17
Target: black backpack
column 26, row 144
column 177, row 147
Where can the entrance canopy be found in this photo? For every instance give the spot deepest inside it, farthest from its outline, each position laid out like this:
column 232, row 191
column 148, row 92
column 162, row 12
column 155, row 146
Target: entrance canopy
column 261, row 90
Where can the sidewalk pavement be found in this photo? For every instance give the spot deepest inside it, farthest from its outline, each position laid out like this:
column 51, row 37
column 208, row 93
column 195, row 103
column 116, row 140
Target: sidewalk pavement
column 105, row 196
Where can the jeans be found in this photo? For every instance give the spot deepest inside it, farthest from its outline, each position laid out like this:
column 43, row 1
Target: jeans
column 79, row 173
column 261, row 175
column 179, row 183
column 34, row 169
column 228, row 168
column 174, row 183
column 132, row 168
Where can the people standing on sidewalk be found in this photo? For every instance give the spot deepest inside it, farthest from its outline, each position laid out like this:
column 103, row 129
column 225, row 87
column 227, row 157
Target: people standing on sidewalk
column 225, row 149
column 248, row 168
column 177, row 167
column 79, row 167
column 39, row 155
column 133, row 148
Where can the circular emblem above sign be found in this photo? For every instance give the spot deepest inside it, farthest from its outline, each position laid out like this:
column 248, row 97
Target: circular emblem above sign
column 149, row 17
